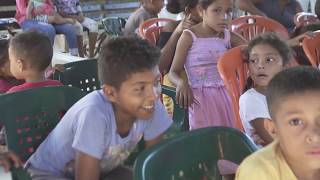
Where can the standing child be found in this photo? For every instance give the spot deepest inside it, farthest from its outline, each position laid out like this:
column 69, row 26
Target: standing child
column 98, row 133
column 267, row 55
column 43, row 11
column 72, row 9
column 293, row 98
column 198, row 51
column 149, row 9
column 7, row 81
column 30, row 54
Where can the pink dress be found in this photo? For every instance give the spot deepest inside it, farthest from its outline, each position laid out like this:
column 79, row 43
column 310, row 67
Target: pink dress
column 212, row 106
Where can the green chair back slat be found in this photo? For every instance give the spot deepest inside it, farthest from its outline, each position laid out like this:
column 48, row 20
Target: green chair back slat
column 193, row 155
column 29, row 116
column 81, row 74
column 113, row 25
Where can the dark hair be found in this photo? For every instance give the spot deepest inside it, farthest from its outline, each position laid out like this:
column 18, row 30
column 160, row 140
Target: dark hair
column 177, row 6
column 205, row 3
column 4, row 55
column 33, row 48
column 292, row 81
column 121, row 57
column 273, row 40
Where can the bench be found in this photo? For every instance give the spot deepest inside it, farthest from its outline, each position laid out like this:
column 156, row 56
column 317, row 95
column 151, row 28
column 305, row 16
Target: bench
column 98, row 11
column 7, row 21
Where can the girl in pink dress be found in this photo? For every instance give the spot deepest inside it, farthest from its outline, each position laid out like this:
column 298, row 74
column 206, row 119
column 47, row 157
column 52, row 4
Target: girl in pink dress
column 198, row 51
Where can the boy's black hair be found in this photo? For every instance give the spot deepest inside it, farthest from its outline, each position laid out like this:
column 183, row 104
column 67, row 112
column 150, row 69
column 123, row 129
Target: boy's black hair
column 33, row 48
column 206, row 3
column 121, row 57
column 177, row 6
column 4, row 56
column 273, row 40
column 292, row 81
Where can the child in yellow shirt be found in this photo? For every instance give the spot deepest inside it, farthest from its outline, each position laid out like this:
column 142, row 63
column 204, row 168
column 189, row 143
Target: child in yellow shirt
column 293, row 98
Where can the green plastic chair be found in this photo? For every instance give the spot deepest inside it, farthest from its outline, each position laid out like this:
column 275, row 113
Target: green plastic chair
column 113, row 25
column 193, row 155
column 180, row 120
column 29, row 116
column 81, row 74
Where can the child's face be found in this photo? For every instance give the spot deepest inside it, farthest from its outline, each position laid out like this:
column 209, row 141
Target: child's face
column 296, row 124
column 264, row 63
column 157, row 5
column 137, row 95
column 218, row 15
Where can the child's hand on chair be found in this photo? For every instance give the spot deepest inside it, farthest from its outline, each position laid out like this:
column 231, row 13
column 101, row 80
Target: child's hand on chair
column 8, row 159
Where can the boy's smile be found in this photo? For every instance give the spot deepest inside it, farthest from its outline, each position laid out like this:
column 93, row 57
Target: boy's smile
column 136, row 97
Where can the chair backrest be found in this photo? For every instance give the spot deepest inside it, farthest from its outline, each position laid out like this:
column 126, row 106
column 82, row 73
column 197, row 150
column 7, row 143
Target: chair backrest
column 311, row 47
column 251, row 26
column 152, row 34
column 81, row 74
column 234, row 73
column 193, row 155
column 304, row 18
column 29, row 116
column 180, row 122
column 113, row 25
column 151, row 23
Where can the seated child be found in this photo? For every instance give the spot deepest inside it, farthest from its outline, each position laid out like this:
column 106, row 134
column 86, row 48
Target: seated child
column 7, row 81
column 149, row 9
column 43, row 11
column 72, row 9
column 267, row 55
column 293, row 98
column 98, row 133
column 30, row 54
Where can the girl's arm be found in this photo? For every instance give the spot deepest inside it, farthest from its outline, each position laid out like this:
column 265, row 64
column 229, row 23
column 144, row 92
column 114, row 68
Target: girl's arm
column 86, row 167
column 21, row 6
column 237, row 40
column 167, row 52
column 184, row 95
column 29, row 10
column 259, row 126
column 248, row 6
column 154, row 141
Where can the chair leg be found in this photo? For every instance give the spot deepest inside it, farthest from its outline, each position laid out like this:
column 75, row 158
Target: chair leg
column 92, row 43
column 80, row 45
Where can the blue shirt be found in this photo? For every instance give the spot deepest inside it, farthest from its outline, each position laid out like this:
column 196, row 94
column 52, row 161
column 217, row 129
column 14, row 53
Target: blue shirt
column 90, row 127
column 272, row 9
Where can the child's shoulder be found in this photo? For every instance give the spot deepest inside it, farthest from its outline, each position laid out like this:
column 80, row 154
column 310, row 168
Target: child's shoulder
column 261, row 164
column 251, row 94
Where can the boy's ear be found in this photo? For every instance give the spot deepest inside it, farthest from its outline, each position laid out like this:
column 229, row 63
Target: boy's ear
column 271, row 128
column 21, row 65
column 110, row 92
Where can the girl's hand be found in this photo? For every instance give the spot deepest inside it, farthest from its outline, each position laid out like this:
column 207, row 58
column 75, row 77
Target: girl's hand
column 184, row 96
column 80, row 18
column 186, row 23
column 296, row 41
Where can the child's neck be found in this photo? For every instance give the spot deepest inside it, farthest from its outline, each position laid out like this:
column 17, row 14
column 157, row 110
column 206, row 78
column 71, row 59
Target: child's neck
column 35, row 77
column 207, row 31
column 261, row 90
column 124, row 121
column 304, row 173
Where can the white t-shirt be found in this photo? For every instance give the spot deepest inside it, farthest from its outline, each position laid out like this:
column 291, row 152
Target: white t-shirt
column 89, row 126
column 252, row 105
